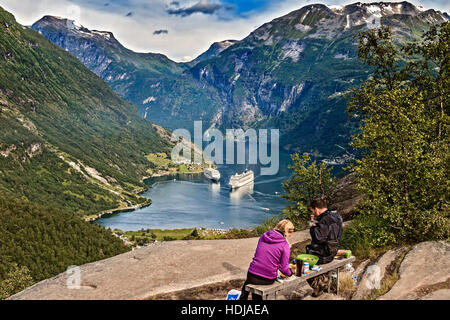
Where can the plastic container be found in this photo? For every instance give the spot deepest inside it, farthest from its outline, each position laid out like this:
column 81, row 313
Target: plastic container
column 233, row 294
column 306, row 268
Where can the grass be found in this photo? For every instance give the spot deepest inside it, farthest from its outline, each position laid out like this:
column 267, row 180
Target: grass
column 346, row 285
column 149, row 235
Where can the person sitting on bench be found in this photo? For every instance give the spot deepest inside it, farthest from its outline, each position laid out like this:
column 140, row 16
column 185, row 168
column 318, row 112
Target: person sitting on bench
column 272, row 254
column 325, row 239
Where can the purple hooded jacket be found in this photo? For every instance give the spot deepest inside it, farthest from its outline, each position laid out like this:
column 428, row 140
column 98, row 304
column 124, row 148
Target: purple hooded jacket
column 272, row 254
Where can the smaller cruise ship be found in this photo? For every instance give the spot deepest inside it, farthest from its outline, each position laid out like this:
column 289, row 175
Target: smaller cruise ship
column 239, row 180
column 211, row 174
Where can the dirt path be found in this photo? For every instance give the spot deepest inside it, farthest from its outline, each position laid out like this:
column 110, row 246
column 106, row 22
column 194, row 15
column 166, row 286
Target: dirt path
column 156, row 270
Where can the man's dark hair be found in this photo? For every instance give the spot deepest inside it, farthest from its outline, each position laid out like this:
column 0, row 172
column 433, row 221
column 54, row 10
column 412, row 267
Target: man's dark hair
column 318, row 203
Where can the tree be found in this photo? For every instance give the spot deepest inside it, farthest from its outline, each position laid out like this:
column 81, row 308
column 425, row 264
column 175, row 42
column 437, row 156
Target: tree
column 16, row 280
column 308, row 181
column 194, row 233
column 403, row 110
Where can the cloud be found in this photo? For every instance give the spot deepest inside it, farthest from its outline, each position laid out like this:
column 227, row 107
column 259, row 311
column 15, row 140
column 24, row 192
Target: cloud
column 204, row 6
column 188, row 36
column 161, row 31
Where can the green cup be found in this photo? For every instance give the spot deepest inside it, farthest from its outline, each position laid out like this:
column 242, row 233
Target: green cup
column 347, row 254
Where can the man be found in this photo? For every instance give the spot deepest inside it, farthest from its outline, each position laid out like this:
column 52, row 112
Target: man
column 326, row 233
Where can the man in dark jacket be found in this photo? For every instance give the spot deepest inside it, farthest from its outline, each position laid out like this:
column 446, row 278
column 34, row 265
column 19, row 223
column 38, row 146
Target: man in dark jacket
column 326, row 233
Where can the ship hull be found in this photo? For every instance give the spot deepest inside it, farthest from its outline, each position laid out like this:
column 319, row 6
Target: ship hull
column 213, row 176
column 245, row 180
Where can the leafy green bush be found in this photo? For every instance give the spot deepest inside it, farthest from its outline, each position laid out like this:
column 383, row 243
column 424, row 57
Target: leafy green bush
column 309, row 181
column 16, row 280
column 365, row 233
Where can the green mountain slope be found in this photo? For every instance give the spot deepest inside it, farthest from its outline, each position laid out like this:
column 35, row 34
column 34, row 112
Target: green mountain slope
column 67, row 140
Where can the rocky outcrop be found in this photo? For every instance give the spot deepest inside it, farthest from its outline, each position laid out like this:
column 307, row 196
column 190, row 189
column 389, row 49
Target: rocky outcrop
column 157, row 269
column 174, row 266
column 443, row 294
column 345, row 197
column 376, row 272
column 426, row 265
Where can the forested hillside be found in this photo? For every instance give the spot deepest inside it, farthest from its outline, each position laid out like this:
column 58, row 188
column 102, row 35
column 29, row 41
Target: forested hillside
column 67, row 140
column 38, row 242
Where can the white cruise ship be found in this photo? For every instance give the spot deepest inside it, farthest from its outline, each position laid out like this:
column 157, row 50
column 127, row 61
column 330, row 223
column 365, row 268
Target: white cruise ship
column 211, row 174
column 239, row 180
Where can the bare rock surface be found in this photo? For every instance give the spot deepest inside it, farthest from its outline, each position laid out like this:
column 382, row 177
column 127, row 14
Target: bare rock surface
column 443, row 294
column 159, row 268
column 361, row 268
column 324, row 296
column 374, row 273
column 425, row 265
column 345, row 197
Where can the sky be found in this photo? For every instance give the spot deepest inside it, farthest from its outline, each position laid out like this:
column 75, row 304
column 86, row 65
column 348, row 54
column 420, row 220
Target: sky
column 179, row 29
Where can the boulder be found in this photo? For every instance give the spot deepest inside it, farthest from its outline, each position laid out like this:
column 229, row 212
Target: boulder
column 427, row 264
column 443, row 294
column 361, row 268
column 374, row 273
column 325, row 296
column 345, row 198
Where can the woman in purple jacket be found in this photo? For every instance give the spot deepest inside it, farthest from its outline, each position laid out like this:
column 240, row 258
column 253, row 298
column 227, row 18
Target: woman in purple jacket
column 272, row 254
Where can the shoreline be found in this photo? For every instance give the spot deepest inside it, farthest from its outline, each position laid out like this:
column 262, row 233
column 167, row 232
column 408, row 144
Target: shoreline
column 147, row 203
column 93, row 218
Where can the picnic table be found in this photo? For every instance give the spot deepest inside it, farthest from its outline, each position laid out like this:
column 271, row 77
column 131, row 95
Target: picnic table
column 272, row 291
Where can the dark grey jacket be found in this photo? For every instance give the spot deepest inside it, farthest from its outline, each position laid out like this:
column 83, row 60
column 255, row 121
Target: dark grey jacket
column 326, row 236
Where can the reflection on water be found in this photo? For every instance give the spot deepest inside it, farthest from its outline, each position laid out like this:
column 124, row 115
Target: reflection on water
column 214, row 188
column 193, row 201
column 244, row 193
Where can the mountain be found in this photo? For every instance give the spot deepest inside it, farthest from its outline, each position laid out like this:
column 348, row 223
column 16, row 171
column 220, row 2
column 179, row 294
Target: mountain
column 103, row 54
column 152, row 81
column 213, row 51
column 67, row 139
column 290, row 73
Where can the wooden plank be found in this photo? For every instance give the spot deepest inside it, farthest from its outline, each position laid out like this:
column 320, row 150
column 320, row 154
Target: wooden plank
column 277, row 288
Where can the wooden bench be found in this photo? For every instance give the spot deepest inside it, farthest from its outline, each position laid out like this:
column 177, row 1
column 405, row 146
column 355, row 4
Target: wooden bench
column 272, row 291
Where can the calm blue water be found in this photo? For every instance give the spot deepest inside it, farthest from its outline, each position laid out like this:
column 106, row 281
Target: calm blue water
column 193, row 201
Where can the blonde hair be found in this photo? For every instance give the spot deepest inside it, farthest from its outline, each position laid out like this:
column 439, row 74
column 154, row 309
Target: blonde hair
column 285, row 226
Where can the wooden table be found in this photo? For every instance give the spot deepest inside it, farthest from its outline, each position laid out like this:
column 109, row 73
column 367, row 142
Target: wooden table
column 272, row 291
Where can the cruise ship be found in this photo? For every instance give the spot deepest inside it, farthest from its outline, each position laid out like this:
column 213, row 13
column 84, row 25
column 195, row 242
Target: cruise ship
column 211, row 174
column 239, row 180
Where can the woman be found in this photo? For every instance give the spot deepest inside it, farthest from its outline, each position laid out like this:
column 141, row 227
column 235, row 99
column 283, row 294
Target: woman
column 272, row 254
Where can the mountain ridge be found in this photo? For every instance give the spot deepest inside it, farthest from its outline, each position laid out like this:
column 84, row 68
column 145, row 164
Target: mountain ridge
column 290, row 73
column 68, row 140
